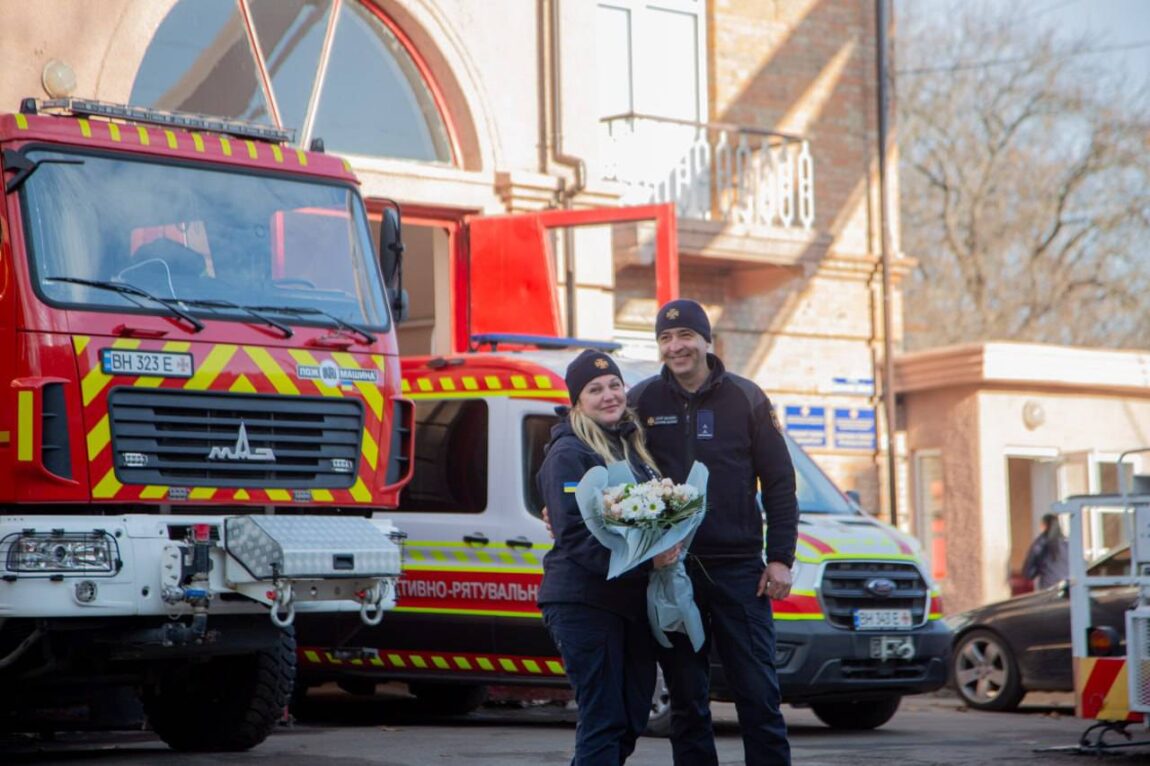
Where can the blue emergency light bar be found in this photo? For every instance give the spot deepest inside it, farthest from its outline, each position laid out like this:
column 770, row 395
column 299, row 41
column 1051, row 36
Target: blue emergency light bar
column 541, row 341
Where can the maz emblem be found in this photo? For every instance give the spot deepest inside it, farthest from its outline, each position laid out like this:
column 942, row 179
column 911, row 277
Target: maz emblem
column 242, row 450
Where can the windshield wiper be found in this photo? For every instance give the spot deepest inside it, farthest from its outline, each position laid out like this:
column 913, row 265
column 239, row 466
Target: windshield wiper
column 307, row 311
column 18, row 162
column 125, row 288
column 221, row 304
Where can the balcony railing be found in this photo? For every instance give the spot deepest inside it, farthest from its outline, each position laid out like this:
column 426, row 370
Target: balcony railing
column 712, row 171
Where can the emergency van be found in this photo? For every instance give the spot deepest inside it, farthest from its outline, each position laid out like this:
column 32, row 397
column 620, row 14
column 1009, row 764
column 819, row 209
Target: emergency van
column 861, row 628
column 200, row 414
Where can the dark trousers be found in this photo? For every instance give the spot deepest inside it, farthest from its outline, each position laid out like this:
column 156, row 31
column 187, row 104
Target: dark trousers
column 610, row 662
column 741, row 628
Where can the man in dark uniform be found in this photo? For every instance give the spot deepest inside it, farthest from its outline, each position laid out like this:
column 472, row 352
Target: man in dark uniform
column 696, row 410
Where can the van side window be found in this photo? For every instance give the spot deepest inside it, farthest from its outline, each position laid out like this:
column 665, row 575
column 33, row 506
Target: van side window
column 536, row 434
column 450, row 473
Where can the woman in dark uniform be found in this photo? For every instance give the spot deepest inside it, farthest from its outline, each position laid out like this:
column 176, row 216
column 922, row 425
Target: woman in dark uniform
column 599, row 625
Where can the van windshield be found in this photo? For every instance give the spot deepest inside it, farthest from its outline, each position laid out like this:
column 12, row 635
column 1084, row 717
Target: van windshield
column 221, row 240
column 817, row 493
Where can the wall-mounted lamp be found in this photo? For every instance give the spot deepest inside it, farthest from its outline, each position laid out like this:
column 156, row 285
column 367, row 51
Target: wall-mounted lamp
column 1033, row 415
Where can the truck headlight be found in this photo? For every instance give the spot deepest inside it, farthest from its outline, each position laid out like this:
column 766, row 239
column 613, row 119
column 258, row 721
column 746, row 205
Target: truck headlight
column 51, row 552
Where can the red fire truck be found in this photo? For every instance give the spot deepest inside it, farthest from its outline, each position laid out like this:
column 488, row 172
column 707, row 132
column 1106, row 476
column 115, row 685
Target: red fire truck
column 200, row 413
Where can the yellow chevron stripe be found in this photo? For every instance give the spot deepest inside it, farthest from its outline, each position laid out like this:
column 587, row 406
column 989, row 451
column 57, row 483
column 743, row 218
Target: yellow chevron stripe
column 543, row 381
column 277, row 153
column 243, row 386
column 469, row 383
column 85, row 128
column 109, row 486
column 370, row 449
column 279, row 379
column 396, row 660
column 173, row 143
column 211, row 367
column 21, row 121
column 25, row 435
column 508, row 665
column 198, row 140
column 99, row 437
column 323, row 495
column 253, row 152
column 518, row 381
column 225, row 146
column 114, row 131
column 510, row 394
column 279, row 495
column 79, row 343
column 492, row 382
column 142, row 132
column 555, row 667
column 301, row 155
column 360, row 491
column 202, row 493
column 462, row 663
column 153, row 492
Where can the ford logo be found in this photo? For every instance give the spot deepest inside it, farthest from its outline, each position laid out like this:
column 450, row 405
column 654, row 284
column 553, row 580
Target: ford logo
column 880, row 587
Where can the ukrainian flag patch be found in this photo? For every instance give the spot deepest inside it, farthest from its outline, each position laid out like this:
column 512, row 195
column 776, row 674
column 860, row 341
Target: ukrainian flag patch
column 569, row 487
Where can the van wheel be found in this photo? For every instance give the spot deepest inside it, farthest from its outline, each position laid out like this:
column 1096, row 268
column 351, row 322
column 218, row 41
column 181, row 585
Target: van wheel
column 449, row 699
column 857, row 715
column 226, row 704
column 659, row 723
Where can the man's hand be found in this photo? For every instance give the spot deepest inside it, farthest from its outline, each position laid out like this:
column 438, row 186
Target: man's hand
column 547, row 523
column 775, row 582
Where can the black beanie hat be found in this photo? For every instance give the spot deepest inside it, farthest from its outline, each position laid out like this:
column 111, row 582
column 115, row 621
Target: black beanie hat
column 585, row 368
column 683, row 313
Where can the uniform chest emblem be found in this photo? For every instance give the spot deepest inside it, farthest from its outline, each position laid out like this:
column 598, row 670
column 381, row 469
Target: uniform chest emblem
column 662, row 420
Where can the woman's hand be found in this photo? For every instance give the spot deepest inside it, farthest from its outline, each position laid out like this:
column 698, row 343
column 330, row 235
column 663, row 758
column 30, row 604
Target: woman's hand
column 668, row 557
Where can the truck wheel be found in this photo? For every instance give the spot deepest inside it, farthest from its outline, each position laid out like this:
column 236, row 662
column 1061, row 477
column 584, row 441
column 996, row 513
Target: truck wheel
column 659, row 723
column 226, row 704
column 449, row 699
column 984, row 673
column 857, row 715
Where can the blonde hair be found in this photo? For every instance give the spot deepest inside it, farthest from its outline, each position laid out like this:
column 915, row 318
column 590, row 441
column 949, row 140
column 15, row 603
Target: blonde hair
column 592, row 434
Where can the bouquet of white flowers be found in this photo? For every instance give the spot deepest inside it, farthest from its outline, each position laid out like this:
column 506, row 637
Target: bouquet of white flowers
column 654, row 504
column 639, row 520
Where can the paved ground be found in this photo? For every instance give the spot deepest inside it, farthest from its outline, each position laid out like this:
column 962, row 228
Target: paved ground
column 344, row 731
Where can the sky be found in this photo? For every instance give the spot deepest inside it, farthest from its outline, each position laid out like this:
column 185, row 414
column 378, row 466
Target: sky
column 1121, row 26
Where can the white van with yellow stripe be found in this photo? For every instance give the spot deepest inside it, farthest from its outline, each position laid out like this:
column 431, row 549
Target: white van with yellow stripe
column 860, row 629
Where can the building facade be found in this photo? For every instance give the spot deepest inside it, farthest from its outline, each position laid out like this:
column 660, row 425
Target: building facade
column 755, row 118
column 998, row 432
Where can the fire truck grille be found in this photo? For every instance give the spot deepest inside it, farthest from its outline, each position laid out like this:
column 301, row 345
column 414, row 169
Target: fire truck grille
column 212, row 439
column 851, row 585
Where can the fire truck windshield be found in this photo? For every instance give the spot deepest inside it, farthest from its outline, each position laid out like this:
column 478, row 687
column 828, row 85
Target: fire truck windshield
column 211, row 242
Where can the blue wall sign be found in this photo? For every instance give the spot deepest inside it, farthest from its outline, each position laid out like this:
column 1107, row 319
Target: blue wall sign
column 806, row 425
column 854, row 428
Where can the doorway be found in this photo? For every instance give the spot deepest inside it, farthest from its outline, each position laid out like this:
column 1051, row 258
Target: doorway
column 1032, row 488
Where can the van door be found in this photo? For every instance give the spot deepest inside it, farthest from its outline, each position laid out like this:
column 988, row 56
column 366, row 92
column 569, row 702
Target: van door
column 528, row 431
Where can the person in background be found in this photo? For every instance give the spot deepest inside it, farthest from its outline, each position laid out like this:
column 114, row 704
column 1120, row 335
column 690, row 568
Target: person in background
column 1048, row 560
column 600, row 626
column 696, row 410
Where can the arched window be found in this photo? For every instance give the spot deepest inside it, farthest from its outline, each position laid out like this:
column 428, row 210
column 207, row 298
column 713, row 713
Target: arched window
column 332, row 69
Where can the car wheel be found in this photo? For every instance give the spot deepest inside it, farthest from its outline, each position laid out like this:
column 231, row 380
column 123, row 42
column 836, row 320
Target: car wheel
column 862, row 715
column 984, row 672
column 659, row 722
column 449, row 699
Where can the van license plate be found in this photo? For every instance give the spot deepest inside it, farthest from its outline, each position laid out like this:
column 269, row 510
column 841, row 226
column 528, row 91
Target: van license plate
column 882, row 619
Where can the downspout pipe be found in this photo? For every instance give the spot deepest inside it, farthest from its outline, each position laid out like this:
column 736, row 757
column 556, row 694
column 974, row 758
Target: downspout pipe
column 552, row 134
column 888, row 395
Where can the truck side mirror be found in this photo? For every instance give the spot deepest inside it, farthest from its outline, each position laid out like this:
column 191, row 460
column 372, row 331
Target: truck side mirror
column 391, row 259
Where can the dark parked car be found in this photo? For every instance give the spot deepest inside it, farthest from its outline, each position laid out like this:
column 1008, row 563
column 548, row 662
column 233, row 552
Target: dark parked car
column 1006, row 649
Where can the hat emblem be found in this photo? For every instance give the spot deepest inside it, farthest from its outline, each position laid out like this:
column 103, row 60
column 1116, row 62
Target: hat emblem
column 672, row 314
column 601, row 363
